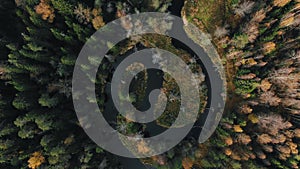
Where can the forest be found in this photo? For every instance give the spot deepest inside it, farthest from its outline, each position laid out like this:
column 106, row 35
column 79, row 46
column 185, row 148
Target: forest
column 259, row 47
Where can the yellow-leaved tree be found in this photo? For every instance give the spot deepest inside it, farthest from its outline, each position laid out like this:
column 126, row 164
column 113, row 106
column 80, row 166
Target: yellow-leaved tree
column 44, row 9
column 187, row 163
column 36, row 160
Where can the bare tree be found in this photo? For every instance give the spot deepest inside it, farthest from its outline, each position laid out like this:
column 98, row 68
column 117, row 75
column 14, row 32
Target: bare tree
column 270, row 98
column 221, row 31
column 244, row 8
column 272, row 124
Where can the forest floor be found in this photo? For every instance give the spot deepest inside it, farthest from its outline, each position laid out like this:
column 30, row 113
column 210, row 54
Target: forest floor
column 207, row 19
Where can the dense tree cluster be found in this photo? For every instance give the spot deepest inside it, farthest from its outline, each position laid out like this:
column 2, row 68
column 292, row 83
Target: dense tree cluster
column 39, row 45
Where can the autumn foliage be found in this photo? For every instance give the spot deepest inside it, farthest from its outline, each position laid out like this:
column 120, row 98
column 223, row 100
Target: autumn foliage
column 44, row 9
column 258, row 42
column 36, row 160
